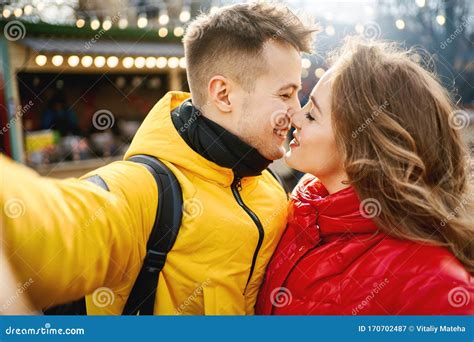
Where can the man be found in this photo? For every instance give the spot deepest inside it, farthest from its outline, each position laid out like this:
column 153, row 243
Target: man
column 75, row 238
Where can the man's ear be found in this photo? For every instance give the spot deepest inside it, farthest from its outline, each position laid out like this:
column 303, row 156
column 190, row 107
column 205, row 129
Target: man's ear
column 219, row 88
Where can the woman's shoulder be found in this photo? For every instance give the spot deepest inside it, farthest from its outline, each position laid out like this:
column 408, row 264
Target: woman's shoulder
column 416, row 259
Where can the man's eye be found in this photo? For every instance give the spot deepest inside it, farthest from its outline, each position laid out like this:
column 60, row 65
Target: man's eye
column 309, row 117
column 286, row 96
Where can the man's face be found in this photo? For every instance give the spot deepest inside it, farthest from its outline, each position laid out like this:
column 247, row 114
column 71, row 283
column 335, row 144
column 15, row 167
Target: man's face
column 262, row 115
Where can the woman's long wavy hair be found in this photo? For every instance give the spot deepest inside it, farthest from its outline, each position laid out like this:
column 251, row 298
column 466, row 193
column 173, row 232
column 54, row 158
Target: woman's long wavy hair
column 399, row 132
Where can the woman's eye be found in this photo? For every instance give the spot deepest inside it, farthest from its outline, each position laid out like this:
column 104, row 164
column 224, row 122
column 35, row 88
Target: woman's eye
column 309, row 117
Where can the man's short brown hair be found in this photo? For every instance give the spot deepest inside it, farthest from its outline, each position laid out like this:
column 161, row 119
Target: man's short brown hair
column 229, row 41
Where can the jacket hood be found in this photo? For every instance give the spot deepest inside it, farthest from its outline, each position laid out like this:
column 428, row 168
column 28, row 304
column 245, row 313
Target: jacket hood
column 157, row 137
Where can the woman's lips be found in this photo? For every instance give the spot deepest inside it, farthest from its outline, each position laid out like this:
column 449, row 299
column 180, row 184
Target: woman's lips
column 295, row 142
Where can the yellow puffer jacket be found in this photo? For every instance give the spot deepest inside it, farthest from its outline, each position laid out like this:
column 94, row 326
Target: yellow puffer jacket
column 74, row 238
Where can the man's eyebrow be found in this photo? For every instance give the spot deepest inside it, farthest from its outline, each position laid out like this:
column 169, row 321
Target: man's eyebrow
column 291, row 85
column 315, row 103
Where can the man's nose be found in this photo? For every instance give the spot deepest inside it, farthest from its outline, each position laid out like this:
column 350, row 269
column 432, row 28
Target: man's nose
column 295, row 119
column 295, row 105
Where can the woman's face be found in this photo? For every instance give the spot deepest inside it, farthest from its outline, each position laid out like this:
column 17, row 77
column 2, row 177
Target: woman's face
column 313, row 149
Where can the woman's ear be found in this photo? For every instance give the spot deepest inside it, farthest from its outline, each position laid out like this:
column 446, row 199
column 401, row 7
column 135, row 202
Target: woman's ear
column 219, row 88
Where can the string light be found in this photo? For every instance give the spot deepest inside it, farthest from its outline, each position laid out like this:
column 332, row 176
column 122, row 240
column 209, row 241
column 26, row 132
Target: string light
column 80, row 23
column 95, row 24
column 400, row 24
column 28, row 9
column 17, row 12
column 440, row 19
column 305, row 63
column 150, row 62
column 107, row 24
column 73, row 61
column 319, row 72
column 185, row 15
column 123, row 23
column 163, row 18
column 86, row 61
column 41, row 60
column 178, row 31
column 127, row 62
column 140, row 62
column 420, row 3
column 6, row 12
column 99, row 61
column 57, row 60
column 161, row 62
column 163, row 32
column 112, row 62
column 142, row 21
column 173, row 62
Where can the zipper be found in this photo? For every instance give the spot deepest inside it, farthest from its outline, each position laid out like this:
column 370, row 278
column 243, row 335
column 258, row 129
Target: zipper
column 236, row 187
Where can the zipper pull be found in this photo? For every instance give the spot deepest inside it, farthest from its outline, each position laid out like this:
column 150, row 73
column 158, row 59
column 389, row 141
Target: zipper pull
column 237, row 183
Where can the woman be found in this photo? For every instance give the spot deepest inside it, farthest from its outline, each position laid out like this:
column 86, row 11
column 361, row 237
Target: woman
column 384, row 223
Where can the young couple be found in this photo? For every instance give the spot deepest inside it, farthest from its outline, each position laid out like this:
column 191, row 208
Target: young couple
column 381, row 224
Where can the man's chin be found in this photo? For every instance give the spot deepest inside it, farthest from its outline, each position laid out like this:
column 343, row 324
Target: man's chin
column 275, row 154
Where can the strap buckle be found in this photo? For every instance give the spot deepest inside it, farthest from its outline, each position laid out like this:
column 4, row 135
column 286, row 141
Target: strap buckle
column 154, row 261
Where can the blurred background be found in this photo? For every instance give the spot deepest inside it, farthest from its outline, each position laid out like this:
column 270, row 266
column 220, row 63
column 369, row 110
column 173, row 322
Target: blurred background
column 77, row 77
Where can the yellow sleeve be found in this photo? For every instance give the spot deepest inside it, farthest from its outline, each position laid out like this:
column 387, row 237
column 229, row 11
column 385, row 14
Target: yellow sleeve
column 71, row 236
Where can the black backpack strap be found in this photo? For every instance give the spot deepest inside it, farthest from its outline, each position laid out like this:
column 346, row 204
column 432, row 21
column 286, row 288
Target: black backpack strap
column 163, row 235
column 278, row 178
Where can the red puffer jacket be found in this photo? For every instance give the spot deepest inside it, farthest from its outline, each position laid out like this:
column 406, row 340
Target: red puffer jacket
column 332, row 260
